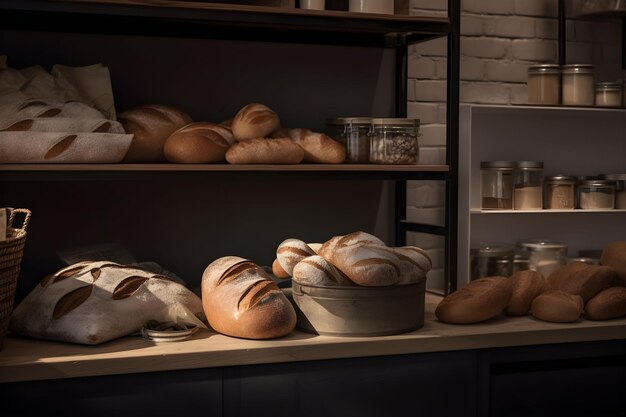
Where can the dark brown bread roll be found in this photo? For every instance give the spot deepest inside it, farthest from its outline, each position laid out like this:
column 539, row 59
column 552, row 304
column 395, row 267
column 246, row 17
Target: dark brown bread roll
column 151, row 125
column 198, row 143
column 614, row 255
column 608, row 304
column 254, row 121
column 527, row 285
column 265, row 151
column 558, row 277
column 587, row 281
column 240, row 300
column 557, row 306
column 478, row 301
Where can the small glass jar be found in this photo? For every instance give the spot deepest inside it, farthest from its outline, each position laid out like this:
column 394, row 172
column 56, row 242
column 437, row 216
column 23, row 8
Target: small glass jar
column 357, row 139
column 491, row 260
column 577, row 85
column 609, row 94
column 528, row 194
column 620, row 188
column 544, row 84
column 560, row 192
column 544, row 256
column 336, row 129
column 394, row 141
column 497, row 184
column 596, row 195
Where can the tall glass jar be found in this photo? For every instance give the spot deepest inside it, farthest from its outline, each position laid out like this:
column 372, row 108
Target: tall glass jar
column 357, row 139
column 394, row 141
column 578, row 85
column 620, row 188
column 609, row 95
column 560, row 192
column 497, row 184
column 528, row 193
column 544, row 84
column 596, row 195
column 490, row 260
column 544, row 256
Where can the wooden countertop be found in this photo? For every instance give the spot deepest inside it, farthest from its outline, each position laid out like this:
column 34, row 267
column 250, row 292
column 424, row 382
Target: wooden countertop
column 25, row 359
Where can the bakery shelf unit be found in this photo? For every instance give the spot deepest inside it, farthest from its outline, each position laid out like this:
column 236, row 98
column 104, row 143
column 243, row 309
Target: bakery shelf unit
column 574, row 141
column 210, row 59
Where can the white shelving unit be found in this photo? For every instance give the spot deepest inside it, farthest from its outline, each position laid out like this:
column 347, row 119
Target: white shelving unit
column 575, row 141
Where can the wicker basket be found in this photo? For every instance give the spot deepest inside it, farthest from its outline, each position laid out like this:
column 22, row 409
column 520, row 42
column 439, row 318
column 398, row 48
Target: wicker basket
column 11, row 251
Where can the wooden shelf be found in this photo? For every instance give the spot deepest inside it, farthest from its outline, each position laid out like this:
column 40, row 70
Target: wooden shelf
column 24, row 359
column 542, row 212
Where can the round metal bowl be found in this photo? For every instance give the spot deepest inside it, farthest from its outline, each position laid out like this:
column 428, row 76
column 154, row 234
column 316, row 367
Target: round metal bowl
column 359, row 311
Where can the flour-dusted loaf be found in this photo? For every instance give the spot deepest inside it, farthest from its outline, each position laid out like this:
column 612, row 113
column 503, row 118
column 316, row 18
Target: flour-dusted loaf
column 527, row 285
column 152, row 125
column 44, row 109
column 292, row 251
column 585, row 281
column 318, row 147
column 240, row 300
column 60, row 124
column 198, row 143
column 254, row 121
column 315, row 246
column 265, row 151
column 607, row 304
column 93, row 302
column 316, row 270
column 478, row 301
column 278, row 270
column 557, row 306
column 614, row 255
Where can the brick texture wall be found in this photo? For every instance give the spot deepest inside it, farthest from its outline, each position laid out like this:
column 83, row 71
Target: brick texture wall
column 499, row 40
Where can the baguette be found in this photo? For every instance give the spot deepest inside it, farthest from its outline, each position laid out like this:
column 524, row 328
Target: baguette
column 265, row 151
column 318, row 148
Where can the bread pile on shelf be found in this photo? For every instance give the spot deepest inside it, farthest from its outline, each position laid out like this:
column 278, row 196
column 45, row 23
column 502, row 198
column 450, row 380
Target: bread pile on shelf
column 597, row 292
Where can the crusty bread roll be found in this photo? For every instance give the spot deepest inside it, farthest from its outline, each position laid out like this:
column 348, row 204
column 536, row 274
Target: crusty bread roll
column 290, row 252
column 557, row 306
column 240, row 300
column 608, row 304
column 478, row 301
column 254, row 121
column 561, row 275
column 318, row 148
column 527, row 285
column 151, row 125
column 586, row 282
column 265, row 151
column 316, row 270
column 278, row 270
column 198, row 143
column 614, row 255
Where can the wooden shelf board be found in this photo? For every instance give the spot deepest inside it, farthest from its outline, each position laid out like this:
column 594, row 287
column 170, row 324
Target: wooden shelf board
column 24, row 359
column 224, row 167
column 547, row 212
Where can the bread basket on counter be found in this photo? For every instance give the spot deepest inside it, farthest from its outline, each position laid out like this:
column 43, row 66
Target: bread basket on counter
column 359, row 311
column 11, row 252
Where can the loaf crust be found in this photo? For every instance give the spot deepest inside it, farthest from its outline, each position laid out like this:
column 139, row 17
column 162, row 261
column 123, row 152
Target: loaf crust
column 614, row 255
column 265, row 151
column 608, row 304
column 315, row 270
column 557, row 306
column 318, row 147
column 198, row 143
column 527, row 285
column 254, row 121
column 584, row 281
column 290, row 252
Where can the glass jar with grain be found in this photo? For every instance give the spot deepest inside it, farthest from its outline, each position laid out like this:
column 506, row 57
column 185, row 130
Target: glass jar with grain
column 560, row 192
column 577, row 85
column 596, row 195
column 544, row 84
column 496, row 179
column 528, row 194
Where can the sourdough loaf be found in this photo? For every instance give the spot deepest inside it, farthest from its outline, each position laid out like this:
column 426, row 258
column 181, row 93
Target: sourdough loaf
column 198, row 143
column 315, row 270
column 557, row 306
column 254, row 121
column 290, row 252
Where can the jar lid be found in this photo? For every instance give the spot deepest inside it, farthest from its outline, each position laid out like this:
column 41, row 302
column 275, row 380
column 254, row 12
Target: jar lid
column 544, row 69
column 541, row 245
column 560, row 178
column 577, row 69
column 497, row 165
column 493, row 249
column 396, row 122
column 599, row 183
column 339, row 121
column 529, row 164
column 359, row 120
column 619, row 179
column 608, row 86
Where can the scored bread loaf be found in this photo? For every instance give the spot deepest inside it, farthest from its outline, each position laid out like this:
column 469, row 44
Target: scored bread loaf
column 316, row 270
column 478, row 301
column 318, row 147
column 198, row 143
column 265, row 151
column 585, row 281
column 527, row 285
column 557, row 306
column 151, row 125
column 614, row 255
column 608, row 304
column 254, row 121
column 290, row 252
column 240, row 300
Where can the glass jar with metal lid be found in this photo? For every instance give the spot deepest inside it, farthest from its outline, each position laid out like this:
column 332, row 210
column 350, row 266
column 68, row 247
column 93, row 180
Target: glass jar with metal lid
column 357, row 139
column 609, row 94
column 336, row 128
column 394, row 141
column 490, row 260
column 496, row 178
column 620, row 188
column 577, row 85
column 545, row 256
column 544, row 84
column 560, row 192
column 528, row 194
column 596, row 195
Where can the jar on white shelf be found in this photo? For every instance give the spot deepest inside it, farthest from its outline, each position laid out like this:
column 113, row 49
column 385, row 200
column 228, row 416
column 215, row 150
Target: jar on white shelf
column 577, row 85
column 620, row 188
column 596, row 195
column 496, row 178
column 528, row 194
column 544, row 84
column 559, row 192
column 544, row 256
column 609, row 94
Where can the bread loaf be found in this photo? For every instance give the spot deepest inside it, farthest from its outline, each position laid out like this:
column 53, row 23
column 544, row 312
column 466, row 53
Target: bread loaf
column 278, row 270
column 151, row 125
column 265, row 151
column 478, row 301
column 527, row 285
column 290, row 252
column 318, row 148
column 563, row 274
column 614, row 255
column 316, row 270
column 198, row 143
column 608, row 304
column 557, row 306
column 586, row 282
column 254, row 121
column 315, row 246
column 240, row 300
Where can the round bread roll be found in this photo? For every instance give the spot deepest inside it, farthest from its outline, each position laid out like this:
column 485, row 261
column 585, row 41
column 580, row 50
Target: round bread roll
column 151, row 125
column 608, row 304
column 278, row 270
column 318, row 148
column 254, row 121
column 614, row 255
column 587, row 282
column 316, row 270
column 527, row 285
column 240, row 300
column 265, row 151
column 563, row 274
column 198, row 143
column 478, row 301
column 557, row 306
column 290, row 252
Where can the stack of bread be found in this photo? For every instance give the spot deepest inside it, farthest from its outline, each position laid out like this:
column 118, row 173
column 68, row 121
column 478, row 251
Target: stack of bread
column 598, row 291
